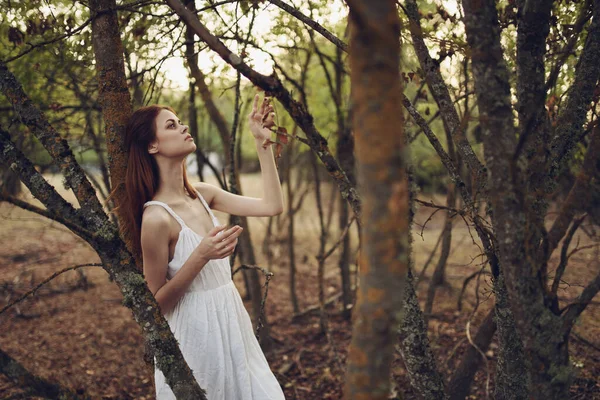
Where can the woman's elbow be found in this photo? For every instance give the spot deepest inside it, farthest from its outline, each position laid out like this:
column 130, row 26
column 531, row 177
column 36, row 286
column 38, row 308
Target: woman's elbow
column 276, row 211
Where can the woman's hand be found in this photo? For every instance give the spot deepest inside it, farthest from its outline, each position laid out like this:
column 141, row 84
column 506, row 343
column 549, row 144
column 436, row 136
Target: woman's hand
column 261, row 118
column 219, row 243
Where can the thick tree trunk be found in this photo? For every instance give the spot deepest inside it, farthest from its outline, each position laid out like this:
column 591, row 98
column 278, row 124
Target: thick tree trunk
column 116, row 108
column 381, row 158
column 511, row 368
column 542, row 332
column 113, row 95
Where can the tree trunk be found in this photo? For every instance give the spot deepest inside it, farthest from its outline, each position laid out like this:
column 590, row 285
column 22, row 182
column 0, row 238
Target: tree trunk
column 460, row 382
column 291, row 218
column 116, row 108
column 438, row 277
column 414, row 346
column 345, row 153
column 381, row 155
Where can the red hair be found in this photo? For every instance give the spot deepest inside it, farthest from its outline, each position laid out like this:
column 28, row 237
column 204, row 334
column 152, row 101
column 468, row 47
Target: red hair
column 141, row 177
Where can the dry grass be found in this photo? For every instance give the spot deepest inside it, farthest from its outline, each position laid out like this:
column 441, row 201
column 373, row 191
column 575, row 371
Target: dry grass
column 86, row 339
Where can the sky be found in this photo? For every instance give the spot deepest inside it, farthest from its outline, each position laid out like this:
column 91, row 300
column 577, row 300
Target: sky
column 176, row 71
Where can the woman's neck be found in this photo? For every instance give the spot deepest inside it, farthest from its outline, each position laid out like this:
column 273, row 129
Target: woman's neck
column 170, row 180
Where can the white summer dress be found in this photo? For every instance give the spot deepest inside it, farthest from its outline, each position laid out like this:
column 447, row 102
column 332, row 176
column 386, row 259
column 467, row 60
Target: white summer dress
column 214, row 330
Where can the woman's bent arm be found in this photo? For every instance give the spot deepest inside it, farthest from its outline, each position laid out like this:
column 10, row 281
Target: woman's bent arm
column 171, row 292
column 155, row 255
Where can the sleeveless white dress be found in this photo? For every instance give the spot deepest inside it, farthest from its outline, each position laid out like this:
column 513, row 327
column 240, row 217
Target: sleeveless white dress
column 214, row 330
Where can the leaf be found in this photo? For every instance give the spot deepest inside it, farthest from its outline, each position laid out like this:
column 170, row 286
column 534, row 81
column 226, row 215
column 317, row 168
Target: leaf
column 15, row 36
column 282, row 135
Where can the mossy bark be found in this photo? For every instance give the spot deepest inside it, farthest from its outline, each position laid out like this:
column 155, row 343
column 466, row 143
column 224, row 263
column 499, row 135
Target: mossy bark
column 381, row 159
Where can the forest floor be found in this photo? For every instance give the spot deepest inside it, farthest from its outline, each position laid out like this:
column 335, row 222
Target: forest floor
column 77, row 333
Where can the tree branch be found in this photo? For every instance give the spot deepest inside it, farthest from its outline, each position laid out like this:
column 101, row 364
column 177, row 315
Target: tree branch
column 30, row 115
column 58, row 207
column 571, row 119
column 439, row 89
column 273, row 85
column 13, row 370
column 46, row 213
column 313, row 24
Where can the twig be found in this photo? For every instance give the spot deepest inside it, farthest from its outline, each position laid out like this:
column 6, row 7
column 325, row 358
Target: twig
column 341, row 238
column 268, row 276
column 54, row 275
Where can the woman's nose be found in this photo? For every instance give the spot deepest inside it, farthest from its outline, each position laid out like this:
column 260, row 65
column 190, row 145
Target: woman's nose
column 186, row 128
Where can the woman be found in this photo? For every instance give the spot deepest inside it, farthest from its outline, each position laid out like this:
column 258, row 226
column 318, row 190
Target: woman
column 185, row 252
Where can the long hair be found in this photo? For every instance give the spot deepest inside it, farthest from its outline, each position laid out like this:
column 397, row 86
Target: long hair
column 142, row 175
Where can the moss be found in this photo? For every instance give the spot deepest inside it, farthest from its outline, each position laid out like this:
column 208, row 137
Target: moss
column 164, row 362
column 132, row 283
column 561, row 374
column 107, row 231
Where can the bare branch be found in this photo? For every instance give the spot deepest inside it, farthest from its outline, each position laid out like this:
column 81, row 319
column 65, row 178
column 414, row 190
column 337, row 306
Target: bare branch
column 315, row 25
column 575, row 309
column 45, row 281
column 439, row 89
column 46, row 213
column 30, row 115
column 57, row 206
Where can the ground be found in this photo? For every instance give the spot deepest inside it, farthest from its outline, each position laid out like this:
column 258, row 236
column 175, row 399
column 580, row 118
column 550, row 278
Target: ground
column 76, row 332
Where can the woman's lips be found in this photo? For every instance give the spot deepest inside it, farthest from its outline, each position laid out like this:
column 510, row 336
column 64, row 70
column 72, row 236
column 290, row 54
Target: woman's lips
column 189, row 138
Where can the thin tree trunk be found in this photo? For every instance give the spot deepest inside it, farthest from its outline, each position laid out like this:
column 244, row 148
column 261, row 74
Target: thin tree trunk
column 460, row 382
column 322, row 243
column 21, row 377
column 413, row 341
column 438, row 277
column 345, row 153
column 247, row 250
column 291, row 217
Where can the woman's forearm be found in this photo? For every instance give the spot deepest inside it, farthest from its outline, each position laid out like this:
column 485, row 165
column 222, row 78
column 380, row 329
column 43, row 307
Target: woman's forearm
column 272, row 193
column 172, row 291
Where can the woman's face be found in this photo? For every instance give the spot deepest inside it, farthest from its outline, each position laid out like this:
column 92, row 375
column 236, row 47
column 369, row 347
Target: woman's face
column 172, row 138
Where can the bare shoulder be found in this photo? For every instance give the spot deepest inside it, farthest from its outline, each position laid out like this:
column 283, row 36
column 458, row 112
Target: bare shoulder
column 207, row 191
column 154, row 239
column 155, row 220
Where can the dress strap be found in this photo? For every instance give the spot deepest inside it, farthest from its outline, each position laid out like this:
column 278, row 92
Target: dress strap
column 215, row 220
column 166, row 207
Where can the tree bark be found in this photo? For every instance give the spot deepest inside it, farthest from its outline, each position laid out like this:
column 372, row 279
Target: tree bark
column 381, row 157
column 416, row 353
column 544, row 340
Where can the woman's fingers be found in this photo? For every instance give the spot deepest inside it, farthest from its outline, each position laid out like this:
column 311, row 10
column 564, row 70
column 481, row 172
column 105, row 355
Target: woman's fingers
column 227, row 250
column 235, row 230
column 228, row 242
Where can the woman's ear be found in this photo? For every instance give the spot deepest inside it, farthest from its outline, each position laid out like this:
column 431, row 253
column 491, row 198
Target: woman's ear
column 153, row 148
